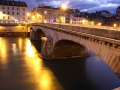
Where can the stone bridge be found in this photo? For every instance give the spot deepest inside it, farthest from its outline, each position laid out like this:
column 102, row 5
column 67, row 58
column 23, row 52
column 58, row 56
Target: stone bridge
column 75, row 41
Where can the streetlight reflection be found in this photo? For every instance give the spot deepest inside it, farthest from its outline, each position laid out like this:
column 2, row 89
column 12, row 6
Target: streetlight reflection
column 3, row 55
column 29, row 49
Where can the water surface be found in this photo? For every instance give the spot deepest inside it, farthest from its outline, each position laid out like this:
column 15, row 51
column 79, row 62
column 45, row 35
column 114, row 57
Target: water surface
column 22, row 69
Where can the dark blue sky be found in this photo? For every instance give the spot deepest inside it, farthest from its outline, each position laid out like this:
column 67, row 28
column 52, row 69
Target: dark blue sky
column 82, row 5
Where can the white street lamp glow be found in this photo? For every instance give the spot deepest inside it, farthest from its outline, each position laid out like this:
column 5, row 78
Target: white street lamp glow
column 1, row 14
column 63, row 6
column 28, row 14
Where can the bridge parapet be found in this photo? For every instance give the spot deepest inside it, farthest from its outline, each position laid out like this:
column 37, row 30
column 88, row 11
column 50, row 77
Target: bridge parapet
column 109, row 32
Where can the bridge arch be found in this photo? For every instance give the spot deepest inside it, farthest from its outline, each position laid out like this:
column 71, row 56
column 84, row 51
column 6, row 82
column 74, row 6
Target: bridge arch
column 39, row 34
column 68, row 48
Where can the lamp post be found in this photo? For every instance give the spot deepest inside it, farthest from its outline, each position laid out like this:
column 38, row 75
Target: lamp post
column 63, row 7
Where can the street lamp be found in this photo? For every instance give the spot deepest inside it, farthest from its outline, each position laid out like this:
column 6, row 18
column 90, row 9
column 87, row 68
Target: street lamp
column 28, row 14
column 63, row 7
column 114, row 24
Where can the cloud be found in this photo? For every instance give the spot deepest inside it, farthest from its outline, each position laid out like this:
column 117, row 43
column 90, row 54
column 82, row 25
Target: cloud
column 82, row 5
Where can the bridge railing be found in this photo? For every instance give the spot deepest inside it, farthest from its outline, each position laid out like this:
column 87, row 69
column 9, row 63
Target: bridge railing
column 79, row 25
column 103, row 32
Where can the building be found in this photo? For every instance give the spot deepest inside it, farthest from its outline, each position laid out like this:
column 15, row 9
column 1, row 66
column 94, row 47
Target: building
column 106, row 13
column 13, row 11
column 118, row 12
column 44, row 13
column 68, row 15
column 76, row 12
column 78, row 19
column 50, row 14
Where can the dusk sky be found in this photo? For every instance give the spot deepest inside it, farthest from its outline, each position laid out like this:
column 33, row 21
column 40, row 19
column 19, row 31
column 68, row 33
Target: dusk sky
column 82, row 5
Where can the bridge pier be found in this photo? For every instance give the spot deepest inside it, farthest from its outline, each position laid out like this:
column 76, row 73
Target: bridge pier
column 46, row 47
column 32, row 34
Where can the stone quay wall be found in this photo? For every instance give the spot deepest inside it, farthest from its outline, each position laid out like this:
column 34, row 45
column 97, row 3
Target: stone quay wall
column 14, row 30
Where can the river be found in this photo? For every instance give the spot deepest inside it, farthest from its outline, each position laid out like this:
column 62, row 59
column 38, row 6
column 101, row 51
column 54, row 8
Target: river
column 22, row 69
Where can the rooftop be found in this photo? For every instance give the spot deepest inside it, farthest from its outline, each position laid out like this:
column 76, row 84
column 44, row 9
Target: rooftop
column 13, row 3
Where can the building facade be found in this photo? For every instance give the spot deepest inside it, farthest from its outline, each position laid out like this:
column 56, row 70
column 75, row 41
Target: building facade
column 118, row 13
column 13, row 11
column 49, row 14
column 77, row 19
column 106, row 13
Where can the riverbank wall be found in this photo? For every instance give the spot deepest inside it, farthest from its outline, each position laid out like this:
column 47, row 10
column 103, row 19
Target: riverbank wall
column 14, row 30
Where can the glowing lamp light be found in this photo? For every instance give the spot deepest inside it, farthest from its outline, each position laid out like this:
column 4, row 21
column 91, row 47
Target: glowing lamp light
column 45, row 12
column 28, row 14
column 99, row 24
column 63, row 6
column 1, row 13
column 115, row 25
column 45, row 21
column 33, row 17
column 38, row 14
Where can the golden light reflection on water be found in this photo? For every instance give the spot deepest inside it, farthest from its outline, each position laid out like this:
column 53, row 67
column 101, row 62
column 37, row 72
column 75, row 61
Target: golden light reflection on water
column 29, row 48
column 37, row 73
column 14, row 48
column 20, row 44
column 3, row 51
column 41, row 75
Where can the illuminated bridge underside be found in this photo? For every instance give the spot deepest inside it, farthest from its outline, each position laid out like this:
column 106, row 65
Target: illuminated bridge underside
column 65, row 48
column 106, row 48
